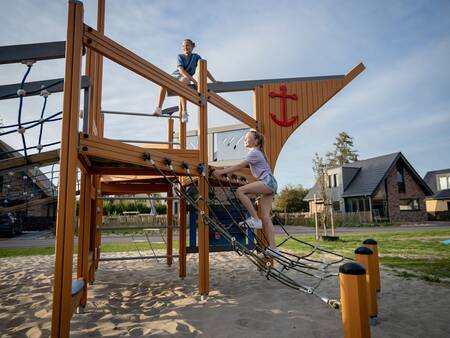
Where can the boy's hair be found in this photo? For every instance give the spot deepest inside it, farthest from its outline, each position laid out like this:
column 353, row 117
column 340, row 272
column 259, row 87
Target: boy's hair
column 190, row 41
column 259, row 138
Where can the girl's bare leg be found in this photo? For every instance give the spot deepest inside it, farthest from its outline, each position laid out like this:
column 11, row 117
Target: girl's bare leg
column 258, row 188
column 266, row 207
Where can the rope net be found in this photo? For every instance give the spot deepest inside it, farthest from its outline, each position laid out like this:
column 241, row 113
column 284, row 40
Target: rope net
column 304, row 272
column 32, row 181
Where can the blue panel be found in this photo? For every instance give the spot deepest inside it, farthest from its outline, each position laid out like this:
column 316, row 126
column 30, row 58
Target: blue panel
column 226, row 217
column 192, row 227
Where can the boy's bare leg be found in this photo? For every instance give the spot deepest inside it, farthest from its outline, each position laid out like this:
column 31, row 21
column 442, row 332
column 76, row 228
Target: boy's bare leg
column 162, row 96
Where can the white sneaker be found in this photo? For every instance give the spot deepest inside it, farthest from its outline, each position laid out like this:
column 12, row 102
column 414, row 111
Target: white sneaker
column 252, row 222
column 157, row 111
column 184, row 117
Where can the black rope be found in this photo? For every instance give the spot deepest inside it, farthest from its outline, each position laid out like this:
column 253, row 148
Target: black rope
column 35, row 123
column 21, row 92
column 48, row 119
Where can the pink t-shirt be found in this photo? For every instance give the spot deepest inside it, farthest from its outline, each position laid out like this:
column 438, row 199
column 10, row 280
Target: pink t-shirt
column 258, row 164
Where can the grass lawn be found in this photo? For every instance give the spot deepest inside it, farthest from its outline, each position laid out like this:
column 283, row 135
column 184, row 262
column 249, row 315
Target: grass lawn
column 411, row 254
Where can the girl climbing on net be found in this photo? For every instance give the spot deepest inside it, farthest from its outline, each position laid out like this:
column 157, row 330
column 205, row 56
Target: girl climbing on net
column 186, row 67
column 265, row 186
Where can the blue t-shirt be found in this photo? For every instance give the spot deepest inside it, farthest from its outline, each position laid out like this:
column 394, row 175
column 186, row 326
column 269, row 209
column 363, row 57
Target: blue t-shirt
column 189, row 63
column 258, row 164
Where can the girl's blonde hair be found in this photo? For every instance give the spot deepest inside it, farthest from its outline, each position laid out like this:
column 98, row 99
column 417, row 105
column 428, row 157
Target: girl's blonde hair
column 259, row 139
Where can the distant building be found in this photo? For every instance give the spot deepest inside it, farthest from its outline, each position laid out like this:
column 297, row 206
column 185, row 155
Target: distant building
column 387, row 187
column 439, row 203
column 27, row 191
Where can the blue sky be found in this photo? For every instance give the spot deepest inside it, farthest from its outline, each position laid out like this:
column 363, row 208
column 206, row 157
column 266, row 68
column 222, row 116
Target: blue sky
column 400, row 103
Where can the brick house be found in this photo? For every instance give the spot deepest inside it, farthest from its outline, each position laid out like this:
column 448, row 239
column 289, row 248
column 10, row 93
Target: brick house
column 27, row 190
column 438, row 205
column 386, row 187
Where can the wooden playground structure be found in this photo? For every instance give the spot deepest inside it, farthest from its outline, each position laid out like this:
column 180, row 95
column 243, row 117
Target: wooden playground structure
column 280, row 107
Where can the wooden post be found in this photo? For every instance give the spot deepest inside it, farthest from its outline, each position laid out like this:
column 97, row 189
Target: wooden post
column 84, row 234
column 203, row 228
column 94, row 70
column 353, row 285
column 373, row 245
column 332, row 220
column 170, row 202
column 182, row 213
column 315, row 218
column 62, row 297
column 363, row 257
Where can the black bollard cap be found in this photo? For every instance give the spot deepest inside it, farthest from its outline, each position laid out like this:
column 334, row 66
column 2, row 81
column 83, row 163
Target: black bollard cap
column 352, row 268
column 370, row 241
column 363, row 250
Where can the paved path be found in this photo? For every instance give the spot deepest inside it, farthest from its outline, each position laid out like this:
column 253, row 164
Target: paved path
column 45, row 238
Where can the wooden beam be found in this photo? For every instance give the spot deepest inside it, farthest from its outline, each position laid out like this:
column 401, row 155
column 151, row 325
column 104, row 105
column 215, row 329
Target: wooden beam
column 16, row 163
column 119, row 54
column 231, row 109
column 62, row 298
column 122, row 188
column 93, row 146
column 358, row 69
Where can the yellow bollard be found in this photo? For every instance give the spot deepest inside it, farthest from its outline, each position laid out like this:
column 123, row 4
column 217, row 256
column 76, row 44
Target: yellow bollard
column 363, row 257
column 373, row 245
column 353, row 285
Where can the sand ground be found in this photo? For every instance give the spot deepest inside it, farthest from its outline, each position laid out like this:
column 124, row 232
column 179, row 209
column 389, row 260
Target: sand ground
column 146, row 298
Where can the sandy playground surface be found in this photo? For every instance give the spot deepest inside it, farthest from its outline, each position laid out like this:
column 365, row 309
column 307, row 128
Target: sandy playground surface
column 146, row 298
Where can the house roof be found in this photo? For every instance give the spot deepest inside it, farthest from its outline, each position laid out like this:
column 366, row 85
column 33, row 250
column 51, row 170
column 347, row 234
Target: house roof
column 441, row 195
column 371, row 173
column 40, row 178
column 368, row 174
column 430, row 178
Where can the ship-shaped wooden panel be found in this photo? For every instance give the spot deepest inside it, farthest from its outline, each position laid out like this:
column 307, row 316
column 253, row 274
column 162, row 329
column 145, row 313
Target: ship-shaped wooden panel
column 283, row 107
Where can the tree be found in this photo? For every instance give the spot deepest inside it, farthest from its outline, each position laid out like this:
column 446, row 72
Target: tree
column 320, row 168
column 290, row 199
column 343, row 152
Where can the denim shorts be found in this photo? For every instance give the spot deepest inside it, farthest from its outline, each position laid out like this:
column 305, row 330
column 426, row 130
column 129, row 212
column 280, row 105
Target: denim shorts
column 271, row 183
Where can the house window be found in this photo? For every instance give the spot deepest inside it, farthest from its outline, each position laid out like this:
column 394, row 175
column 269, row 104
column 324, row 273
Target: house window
column 336, row 206
column 409, row 204
column 332, row 181
column 357, row 204
column 444, row 182
column 400, row 179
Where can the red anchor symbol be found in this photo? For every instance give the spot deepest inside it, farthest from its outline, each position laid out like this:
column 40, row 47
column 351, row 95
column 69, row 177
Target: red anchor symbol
column 283, row 122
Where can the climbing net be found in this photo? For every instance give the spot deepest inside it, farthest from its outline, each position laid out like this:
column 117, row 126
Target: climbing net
column 29, row 182
column 21, row 127
column 310, row 271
